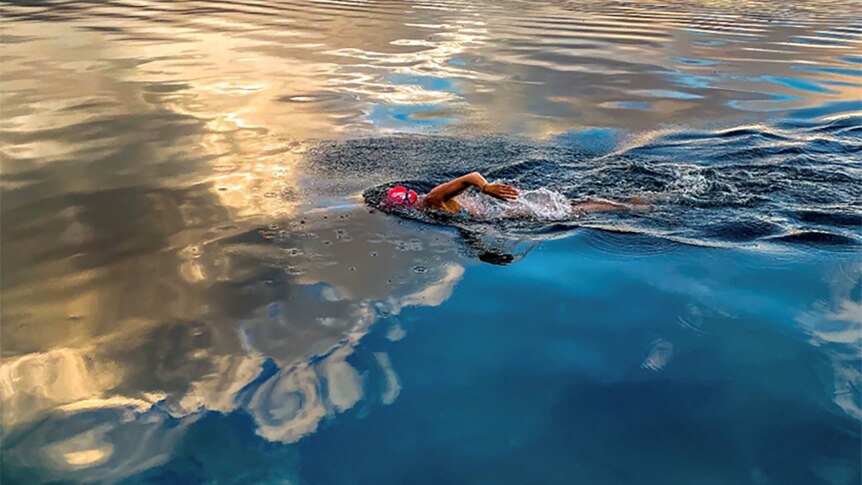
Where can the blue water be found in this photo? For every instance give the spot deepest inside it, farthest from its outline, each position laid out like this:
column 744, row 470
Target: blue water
column 710, row 366
column 197, row 283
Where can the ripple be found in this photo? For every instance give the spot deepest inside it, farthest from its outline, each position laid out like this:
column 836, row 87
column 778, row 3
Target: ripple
column 835, row 217
column 820, row 238
column 343, row 59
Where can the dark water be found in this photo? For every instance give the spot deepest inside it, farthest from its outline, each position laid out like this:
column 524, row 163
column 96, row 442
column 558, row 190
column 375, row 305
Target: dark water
column 195, row 291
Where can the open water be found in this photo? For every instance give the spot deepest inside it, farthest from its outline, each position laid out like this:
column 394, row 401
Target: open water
column 197, row 286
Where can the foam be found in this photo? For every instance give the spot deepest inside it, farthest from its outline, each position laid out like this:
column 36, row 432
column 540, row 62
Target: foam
column 540, row 204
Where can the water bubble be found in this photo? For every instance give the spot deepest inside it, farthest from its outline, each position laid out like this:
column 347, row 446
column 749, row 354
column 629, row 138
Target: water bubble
column 294, row 270
column 420, row 269
column 408, row 245
column 373, row 254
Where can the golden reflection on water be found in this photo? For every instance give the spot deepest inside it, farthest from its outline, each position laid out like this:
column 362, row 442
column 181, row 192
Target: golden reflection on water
column 189, row 363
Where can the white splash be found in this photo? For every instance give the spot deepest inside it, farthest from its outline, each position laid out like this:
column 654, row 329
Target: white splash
column 540, row 204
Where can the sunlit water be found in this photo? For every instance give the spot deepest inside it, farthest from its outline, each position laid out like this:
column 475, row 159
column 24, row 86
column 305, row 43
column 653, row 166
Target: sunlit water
column 197, row 287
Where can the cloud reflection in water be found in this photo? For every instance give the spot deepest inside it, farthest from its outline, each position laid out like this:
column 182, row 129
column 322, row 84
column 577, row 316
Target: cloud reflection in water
column 285, row 359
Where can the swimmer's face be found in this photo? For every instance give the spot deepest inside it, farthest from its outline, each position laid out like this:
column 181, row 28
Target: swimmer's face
column 401, row 196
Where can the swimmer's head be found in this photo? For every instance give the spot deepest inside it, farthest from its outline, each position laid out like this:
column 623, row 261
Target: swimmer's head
column 401, row 196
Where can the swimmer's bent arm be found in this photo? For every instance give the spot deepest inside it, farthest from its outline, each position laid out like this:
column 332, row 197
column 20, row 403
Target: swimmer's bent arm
column 451, row 189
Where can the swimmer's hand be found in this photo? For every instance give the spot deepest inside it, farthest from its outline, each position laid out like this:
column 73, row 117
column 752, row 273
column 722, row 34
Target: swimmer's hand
column 501, row 191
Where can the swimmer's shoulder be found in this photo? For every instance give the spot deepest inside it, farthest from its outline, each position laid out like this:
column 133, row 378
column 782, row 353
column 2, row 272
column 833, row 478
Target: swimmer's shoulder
column 451, row 205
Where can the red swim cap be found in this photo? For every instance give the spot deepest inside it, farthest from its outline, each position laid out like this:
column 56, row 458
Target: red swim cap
column 399, row 195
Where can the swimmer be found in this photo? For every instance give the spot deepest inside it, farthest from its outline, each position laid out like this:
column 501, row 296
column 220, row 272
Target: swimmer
column 444, row 197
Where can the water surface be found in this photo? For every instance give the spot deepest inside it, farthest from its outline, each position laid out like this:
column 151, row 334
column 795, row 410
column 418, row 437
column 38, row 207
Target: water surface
column 197, row 288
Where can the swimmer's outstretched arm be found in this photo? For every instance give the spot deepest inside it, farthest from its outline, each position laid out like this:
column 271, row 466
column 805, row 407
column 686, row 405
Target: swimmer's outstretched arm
column 451, row 189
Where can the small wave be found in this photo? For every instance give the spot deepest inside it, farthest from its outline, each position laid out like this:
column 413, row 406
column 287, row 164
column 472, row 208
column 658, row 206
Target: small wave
column 833, row 217
column 742, row 229
column 818, row 238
